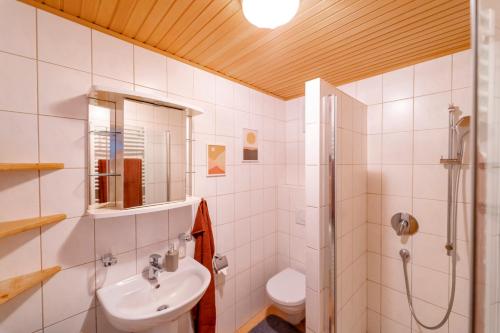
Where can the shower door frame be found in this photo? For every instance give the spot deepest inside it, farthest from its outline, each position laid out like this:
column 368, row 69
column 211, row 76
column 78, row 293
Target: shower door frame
column 330, row 107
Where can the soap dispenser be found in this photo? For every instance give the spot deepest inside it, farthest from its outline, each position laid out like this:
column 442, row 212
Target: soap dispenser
column 171, row 258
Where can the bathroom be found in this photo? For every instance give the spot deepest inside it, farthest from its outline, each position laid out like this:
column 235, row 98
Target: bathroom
column 249, row 166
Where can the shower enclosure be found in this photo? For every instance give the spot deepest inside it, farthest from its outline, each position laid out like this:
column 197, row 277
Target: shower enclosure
column 486, row 46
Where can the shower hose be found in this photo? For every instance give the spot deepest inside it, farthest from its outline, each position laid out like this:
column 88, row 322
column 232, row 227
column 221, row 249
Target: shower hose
column 405, row 255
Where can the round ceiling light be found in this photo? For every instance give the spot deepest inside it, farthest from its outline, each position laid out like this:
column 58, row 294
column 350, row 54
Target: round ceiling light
column 269, row 14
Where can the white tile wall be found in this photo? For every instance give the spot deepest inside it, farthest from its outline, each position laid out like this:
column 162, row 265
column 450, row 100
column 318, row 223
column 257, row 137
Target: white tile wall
column 43, row 111
column 404, row 175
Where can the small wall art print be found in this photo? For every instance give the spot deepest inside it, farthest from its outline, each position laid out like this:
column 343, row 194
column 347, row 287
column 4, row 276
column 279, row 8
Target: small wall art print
column 216, row 160
column 250, row 145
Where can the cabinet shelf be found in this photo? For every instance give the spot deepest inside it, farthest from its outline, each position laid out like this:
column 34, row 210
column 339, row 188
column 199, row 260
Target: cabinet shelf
column 30, row 166
column 12, row 287
column 10, row 228
column 101, row 213
column 105, row 133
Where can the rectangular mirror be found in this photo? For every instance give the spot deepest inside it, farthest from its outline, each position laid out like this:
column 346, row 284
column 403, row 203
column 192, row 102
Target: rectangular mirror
column 154, row 154
column 138, row 153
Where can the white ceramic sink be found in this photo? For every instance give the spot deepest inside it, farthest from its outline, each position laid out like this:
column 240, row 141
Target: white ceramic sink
column 135, row 304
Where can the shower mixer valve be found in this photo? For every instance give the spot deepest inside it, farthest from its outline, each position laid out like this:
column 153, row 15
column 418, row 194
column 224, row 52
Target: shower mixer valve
column 404, row 224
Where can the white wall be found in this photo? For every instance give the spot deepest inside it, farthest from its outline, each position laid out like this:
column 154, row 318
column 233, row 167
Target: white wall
column 407, row 135
column 47, row 66
column 291, row 205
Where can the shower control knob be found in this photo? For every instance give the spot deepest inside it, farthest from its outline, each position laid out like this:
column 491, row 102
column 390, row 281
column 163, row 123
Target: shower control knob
column 404, row 224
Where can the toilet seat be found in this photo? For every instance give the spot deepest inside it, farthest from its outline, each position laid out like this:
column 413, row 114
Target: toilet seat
column 288, row 287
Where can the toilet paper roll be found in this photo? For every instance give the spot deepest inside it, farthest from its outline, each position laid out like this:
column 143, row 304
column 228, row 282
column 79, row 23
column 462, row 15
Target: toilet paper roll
column 219, row 263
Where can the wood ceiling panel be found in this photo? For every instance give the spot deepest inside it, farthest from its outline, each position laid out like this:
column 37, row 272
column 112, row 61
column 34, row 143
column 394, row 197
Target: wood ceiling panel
column 159, row 10
column 72, row 7
column 195, row 26
column 432, row 27
column 338, row 40
column 122, row 14
column 141, row 11
column 169, row 20
column 88, row 11
column 105, row 12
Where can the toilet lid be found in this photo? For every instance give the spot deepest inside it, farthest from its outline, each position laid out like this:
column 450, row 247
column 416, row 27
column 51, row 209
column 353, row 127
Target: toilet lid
column 288, row 287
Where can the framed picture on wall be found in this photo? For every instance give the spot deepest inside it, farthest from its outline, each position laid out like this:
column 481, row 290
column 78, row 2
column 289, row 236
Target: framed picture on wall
column 250, row 145
column 216, row 160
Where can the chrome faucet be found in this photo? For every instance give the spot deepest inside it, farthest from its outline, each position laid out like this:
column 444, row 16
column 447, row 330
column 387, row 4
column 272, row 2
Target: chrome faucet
column 154, row 267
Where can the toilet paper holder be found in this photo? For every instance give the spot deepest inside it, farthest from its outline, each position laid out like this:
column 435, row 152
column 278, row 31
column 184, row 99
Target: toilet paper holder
column 220, row 264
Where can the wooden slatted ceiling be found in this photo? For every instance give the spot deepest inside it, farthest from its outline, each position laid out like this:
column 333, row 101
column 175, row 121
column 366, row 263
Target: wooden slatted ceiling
column 338, row 40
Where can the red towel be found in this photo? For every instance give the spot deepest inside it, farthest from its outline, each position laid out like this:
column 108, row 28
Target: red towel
column 132, row 183
column 204, row 313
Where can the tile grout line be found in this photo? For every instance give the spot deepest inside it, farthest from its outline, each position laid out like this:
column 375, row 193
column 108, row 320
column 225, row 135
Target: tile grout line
column 39, row 172
column 94, row 220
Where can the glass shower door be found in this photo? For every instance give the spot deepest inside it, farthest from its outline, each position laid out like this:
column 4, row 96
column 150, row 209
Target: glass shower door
column 487, row 178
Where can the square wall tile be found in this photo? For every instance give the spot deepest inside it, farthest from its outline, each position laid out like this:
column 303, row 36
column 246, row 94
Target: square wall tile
column 126, row 267
column 397, row 148
column 84, row 322
column 369, row 91
column 68, row 293
column 182, row 219
column 394, row 306
column 392, row 204
column 20, row 254
column 397, row 180
column 241, row 97
column 152, row 228
column 462, row 69
column 150, row 69
column 63, row 140
column 112, row 57
column 430, row 145
column 23, row 313
column 224, row 121
column 62, row 42
column 204, row 86
column 64, row 191
column 62, row 91
column 430, row 182
column 120, row 229
column 224, row 93
column 19, row 133
column 397, row 116
column 374, row 119
column 436, row 292
column 18, row 83
column 433, row 76
column 431, row 111
column 431, row 216
column 68, row 243
column 179, row 78
column 18, row 28
column 20, row 192
column 398, row 84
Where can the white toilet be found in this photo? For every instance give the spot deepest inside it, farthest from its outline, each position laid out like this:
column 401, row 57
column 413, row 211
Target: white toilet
column 287, row 290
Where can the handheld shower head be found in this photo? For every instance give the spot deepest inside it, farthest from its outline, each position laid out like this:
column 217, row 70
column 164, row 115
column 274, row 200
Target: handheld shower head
column 462, row 127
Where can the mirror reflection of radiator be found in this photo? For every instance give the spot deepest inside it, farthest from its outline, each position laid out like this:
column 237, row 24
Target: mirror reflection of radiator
column 134, row 150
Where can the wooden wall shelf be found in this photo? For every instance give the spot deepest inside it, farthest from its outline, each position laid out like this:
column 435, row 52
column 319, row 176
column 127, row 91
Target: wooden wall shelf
column 30, row 166
column 12, row 287
column 10, row 228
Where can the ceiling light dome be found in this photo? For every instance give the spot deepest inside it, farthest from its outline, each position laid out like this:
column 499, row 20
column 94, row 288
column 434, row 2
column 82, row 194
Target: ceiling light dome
column 269, row 13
